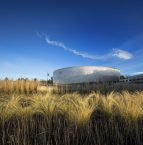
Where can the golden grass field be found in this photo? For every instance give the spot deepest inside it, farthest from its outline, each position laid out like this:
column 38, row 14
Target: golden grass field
column 31, row 114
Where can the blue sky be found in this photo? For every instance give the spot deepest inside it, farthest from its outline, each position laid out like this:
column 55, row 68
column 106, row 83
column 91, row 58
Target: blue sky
column 39, row 36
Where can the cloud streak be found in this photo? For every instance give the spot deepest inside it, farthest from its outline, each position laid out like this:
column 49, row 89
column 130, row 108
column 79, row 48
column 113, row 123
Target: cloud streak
column 122, row 54
column 74, row 51
column 118, row 53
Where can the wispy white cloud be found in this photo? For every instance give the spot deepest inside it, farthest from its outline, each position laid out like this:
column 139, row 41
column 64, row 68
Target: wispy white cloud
column 122, row 54
column 119, row 53
column 74, row 51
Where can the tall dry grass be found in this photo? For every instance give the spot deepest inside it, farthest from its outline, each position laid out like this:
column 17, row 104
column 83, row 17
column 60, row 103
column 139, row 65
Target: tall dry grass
column 18, row 86
column 72, row 119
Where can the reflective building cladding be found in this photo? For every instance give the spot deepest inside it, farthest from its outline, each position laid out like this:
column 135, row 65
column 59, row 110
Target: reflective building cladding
column 85, row 74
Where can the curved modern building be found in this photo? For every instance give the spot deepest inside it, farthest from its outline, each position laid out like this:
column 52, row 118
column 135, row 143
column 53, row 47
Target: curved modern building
column 85, row 74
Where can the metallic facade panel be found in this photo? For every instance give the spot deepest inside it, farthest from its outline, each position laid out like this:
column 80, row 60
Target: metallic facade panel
column 85, row 74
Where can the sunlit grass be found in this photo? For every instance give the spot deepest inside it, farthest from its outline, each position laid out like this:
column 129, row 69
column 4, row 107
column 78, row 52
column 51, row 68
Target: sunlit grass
column 47, row 117
column 18, row 86
column 76, row 107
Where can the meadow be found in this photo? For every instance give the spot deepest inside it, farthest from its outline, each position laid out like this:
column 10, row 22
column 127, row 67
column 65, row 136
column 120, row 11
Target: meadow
column 31, row 114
